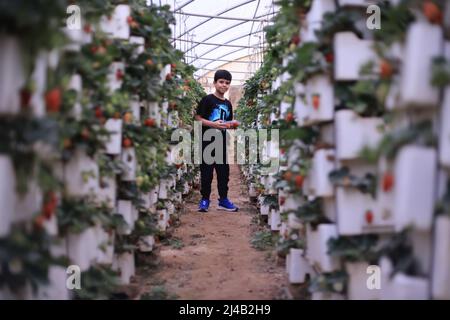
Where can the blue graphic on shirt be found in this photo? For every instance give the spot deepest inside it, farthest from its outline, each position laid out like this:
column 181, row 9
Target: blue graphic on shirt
column 220, row 112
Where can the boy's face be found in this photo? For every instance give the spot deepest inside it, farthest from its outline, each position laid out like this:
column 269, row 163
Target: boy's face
column 222, row 85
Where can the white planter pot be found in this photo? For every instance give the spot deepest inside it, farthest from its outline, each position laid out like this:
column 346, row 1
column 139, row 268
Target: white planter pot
column 403, row 287
column 39, row 77
column 113, row 143
column 115, row 83
column 322, row 165
column 186, row 188
column 275, row 220
column 294, row 222
column 327, row 296
column 76, row 84
column 135, row 107
column 288, row 263
column 356, row 3
column 299, row 267
column 314, row 18
column 357, row 283
column 153, row 111
column 312, row 242
column 164, row 72
column 77, row 38
column 327, row 134
column 329, row 208
column 351, row 208
column 146, row 243
column 81, row 248
column 441, row 259
column 163, row 188
column 292, row 202
column 125, row 208
column 51, row 226
column 81, row 175
column 170, row 208
column 140, row 41
column 120, row 27
column 320, row 257
column 444, row 135
column 129, row 160
column 319, row 99
column 301, row 110
column 350, row 54
column 56, row 289
column 163, row 218
column 424, row 41
column 124, row 263
column 105, row 246
column 12, row 76
column 264, row 209
column 29, row 204
column 415, row 179
column 353, row 133
column 107, row 192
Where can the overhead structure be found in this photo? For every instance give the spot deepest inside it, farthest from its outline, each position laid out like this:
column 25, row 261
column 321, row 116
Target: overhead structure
column 227, row 34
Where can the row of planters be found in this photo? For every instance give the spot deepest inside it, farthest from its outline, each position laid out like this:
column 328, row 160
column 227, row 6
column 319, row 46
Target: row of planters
column 86, row 159
column 364, row 147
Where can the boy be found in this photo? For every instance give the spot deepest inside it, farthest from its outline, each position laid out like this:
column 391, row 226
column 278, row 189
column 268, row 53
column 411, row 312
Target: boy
column 213, row 111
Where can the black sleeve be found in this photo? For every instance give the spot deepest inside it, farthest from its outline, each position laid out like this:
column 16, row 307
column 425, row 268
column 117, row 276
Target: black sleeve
column 202, row 107
column 231, row 112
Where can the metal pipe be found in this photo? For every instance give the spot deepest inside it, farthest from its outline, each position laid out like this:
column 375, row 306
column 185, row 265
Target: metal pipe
column 217, row 17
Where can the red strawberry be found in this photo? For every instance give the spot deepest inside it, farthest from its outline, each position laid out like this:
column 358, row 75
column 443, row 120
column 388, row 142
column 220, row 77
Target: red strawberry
column 53, row 100
column 289, row 117
column 369, row 216
column 329, row 57
column 49, row 206
column 119, row 74
column 432, row 12
column 282, row 200
column 169, row 76
column 386, row 69
column 299, row 181
column 25, row 97
column 295, row 39
column 149, row 122
column 87, row 28
column 130, row 20
column 316, row 101
column 127, row 142
column 98, row 112
column 388, row 182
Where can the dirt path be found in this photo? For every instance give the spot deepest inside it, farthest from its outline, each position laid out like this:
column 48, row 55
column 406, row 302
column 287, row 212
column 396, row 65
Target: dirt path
column 217, row 260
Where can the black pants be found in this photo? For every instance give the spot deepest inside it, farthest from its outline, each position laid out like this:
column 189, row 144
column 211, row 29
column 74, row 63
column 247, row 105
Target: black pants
column 222, row 172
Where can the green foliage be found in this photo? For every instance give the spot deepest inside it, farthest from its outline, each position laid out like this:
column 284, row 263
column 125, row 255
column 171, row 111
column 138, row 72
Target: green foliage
column 97, row 283
column 354, row 248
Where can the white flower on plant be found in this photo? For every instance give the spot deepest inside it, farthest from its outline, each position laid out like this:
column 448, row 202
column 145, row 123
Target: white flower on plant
column 338, row 286
column 15, row 266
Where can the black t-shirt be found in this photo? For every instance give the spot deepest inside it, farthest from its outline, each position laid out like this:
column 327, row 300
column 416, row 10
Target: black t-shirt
column 212, row 108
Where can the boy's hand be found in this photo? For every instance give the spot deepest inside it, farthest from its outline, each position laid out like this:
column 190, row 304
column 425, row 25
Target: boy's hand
column 220, row 124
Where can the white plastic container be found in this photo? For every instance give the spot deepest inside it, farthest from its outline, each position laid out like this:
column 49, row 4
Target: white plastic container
column 114, row 141
column 424, row 41
column 350, row 54
column 441, row 259
column 129, row 160
column 81, row 175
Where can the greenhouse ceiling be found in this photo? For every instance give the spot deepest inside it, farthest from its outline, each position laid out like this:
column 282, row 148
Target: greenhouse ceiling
column 212, row 34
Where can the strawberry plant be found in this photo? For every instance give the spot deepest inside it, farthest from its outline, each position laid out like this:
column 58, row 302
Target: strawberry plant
column 343, row 178
column 354, row 248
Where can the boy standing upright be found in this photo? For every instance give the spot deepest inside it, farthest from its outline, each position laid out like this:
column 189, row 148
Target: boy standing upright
column 214, row 111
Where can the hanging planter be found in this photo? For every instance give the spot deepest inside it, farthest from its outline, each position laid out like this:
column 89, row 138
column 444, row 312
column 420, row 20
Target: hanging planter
column 353, row 133
column 56, row 289
column 322, row 164
column 124, row 263
column 415, row 177
column 424, row 41
column 357, row 282
column 299, row 267
column 444, row 136
column 125, row 208
column 319, row 99
column 107, row 192
column 105, row 245
column 81, row 248
column 314, row 18
column 12, row 75
column 350, row 54
column 81, row 175
column 441, row 259
column 146, row 243
column 275, row 220
column 319, row 256
column 129, row 161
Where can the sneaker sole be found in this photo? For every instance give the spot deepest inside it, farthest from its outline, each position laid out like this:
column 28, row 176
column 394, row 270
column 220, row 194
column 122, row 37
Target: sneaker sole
column 202, row 210
column 226, row 209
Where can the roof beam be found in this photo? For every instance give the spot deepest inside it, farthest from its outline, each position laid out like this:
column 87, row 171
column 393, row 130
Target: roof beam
column 218, row 44
column 217, row 17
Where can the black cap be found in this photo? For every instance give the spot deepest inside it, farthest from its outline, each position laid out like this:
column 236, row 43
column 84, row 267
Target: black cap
column 222, row 74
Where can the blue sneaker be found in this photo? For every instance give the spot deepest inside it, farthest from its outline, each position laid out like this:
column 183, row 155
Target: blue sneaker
column 203, row 205
column 227, row 205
